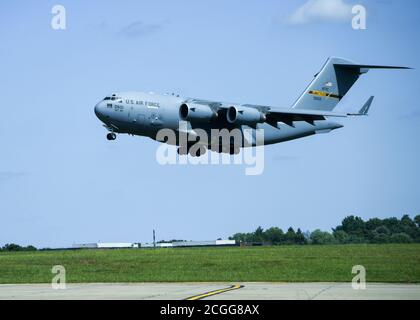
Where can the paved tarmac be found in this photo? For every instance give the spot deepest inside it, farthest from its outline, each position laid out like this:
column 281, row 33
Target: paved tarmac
column 212, row 291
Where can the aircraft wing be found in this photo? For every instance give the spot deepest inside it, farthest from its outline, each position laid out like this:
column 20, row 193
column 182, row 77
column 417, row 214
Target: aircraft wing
column 288, row 116
column 275, row 115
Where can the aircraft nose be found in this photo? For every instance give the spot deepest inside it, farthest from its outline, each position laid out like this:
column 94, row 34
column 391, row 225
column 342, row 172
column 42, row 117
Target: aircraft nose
column 99, row 110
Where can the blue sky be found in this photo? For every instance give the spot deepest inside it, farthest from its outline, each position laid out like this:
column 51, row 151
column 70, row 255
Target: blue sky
column 61, row 181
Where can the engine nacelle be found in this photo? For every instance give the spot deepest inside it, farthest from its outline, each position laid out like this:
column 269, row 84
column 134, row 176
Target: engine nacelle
column 196, row 112
column 244, row 115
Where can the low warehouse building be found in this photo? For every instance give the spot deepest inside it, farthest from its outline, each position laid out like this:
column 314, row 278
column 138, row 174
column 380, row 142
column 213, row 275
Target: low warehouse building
column 106, row 245
column 176, row 244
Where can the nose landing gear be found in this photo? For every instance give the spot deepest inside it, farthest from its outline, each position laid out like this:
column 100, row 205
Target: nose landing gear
column 111, row 136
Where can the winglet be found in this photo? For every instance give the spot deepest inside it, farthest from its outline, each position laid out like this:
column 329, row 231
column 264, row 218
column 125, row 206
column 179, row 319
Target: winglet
column 365, row 109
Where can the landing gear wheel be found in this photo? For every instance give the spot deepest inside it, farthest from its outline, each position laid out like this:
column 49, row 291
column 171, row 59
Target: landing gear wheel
column 198, row 152
column 111, row 136
column 232, row 150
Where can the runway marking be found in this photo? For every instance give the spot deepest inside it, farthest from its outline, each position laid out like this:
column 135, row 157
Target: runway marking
column 213, row 293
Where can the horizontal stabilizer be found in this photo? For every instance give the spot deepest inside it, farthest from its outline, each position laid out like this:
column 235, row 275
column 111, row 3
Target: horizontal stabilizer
column 362, row 66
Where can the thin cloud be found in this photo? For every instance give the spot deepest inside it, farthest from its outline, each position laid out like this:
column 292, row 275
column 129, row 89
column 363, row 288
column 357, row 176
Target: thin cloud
column 322, row 10
column 413, row 115
column 7, row 175
column 139, row 29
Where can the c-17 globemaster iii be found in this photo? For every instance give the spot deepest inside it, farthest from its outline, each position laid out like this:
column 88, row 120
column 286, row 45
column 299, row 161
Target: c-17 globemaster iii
column 145, row 114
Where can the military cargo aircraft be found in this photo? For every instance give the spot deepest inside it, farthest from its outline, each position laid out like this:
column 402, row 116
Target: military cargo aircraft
column 145, row 114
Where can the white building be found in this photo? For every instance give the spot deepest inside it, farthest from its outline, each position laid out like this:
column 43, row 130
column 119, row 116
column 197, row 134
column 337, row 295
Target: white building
column 106, row 245
column 128, row 245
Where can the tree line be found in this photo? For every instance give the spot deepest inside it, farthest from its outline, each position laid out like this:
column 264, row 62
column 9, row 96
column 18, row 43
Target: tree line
column 16, row 247
column 352, row 230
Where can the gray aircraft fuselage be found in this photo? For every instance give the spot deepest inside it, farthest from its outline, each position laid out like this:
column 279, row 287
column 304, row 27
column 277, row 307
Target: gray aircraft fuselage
column 144, row 114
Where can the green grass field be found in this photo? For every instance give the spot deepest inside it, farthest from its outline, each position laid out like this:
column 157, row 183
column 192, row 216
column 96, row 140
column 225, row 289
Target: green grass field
column 384, row 263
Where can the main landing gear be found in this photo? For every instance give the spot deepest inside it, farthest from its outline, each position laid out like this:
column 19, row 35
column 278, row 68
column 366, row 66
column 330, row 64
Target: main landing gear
column 111, row 136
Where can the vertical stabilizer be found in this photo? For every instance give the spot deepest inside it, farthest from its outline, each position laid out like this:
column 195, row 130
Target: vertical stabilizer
column 332, row 83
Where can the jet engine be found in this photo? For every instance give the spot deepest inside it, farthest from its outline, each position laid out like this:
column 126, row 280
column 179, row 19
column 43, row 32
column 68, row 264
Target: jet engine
column 244, row 115
column 196, row 112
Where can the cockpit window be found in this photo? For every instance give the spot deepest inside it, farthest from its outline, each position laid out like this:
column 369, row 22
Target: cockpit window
column 113, row 98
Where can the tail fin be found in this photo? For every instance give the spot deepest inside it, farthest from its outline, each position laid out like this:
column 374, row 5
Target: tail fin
column 332, row 83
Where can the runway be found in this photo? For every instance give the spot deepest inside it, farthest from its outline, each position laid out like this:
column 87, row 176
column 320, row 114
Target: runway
column 211, row 291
